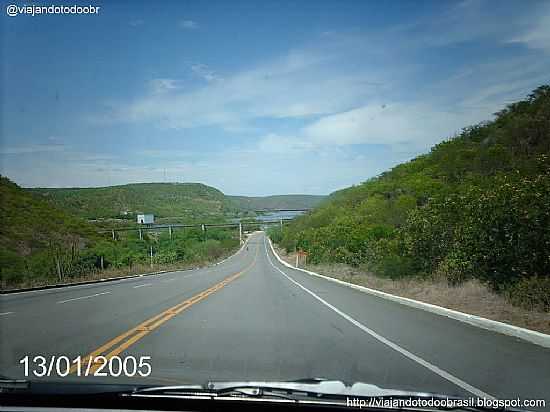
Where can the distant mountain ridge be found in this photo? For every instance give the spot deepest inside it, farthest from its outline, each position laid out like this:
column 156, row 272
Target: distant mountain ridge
column 191, row 201
column 253, row 203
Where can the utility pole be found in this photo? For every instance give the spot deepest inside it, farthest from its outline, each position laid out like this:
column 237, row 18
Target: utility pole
column 240, row 233
column 140, row 235
column 114, row 236
column 281, row 222
column 170, row 231
column 151, row 256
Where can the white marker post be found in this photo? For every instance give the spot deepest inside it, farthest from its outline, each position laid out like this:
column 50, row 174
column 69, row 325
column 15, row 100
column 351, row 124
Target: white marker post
column 240, row 233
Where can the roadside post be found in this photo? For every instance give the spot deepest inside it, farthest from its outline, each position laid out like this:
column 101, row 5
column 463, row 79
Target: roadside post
column 301, row 258
column 240, row 233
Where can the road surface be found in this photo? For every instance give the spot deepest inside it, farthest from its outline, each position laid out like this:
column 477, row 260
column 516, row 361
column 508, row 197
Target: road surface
column 251, row 318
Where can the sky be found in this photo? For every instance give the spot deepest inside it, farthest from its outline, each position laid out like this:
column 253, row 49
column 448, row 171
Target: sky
column 255, row 98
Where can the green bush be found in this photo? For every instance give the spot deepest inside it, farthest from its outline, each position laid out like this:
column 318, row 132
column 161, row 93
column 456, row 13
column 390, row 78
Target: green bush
column 532, row 293
column 395, row 266
column 456, row 269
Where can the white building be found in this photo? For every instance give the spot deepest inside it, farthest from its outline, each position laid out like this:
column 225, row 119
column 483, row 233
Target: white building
column 146, row 219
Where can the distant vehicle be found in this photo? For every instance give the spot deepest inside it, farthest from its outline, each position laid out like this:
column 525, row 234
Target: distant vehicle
column 146, row 219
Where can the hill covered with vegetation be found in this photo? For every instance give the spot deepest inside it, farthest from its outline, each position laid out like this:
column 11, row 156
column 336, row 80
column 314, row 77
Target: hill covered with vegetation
column 476, row 206
column 185, row 202
column 37, row 237
column 251, row 203
column 43, row 244
column 192, row 201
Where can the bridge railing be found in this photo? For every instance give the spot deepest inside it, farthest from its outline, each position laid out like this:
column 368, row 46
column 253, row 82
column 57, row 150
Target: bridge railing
column 171, row 226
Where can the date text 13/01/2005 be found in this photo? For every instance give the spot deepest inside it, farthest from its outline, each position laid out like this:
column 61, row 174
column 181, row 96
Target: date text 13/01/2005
column 61, row 366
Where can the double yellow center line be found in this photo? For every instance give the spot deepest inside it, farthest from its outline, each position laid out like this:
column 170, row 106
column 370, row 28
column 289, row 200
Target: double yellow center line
column 123, row 341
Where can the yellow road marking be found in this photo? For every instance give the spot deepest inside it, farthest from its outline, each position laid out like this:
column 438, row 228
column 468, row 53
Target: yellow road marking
column 133, row 335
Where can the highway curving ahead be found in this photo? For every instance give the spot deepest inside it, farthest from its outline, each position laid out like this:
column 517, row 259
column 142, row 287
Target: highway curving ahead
column 251, row 318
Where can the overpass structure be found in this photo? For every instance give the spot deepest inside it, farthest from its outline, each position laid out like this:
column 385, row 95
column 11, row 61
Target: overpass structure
column 203, row 226
column 281, row 210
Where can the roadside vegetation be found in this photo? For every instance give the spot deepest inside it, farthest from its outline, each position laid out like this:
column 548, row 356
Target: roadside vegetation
column 41, row 244
column 477, row 207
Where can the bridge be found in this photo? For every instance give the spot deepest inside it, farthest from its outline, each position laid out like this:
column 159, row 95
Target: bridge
column 203, row 226
column 282, row 210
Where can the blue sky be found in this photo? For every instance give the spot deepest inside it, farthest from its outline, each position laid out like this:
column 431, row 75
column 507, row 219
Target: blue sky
column 255, row 98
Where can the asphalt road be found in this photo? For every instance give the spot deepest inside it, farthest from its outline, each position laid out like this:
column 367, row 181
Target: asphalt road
column 251, row 318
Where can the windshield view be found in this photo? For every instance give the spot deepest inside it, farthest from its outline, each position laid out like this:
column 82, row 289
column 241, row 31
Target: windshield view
column 289, row 202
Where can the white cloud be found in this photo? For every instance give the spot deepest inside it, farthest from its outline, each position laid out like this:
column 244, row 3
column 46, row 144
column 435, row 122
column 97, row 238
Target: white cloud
column 338, row 104
column 537, row 36
column 163, row 85
column 298, row 84
column 274, row 143
column 392, row 124
column 52, row 145
column 136, row 23
column 189, row 24
column 204, row 72
column 403, row 127
column 226, row 170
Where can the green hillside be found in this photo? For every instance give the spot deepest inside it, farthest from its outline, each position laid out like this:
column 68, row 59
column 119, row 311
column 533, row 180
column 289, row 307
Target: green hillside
column 184, row 201
column 476, row 206
column 248, row 203
column 35, row 235
column 191, row 201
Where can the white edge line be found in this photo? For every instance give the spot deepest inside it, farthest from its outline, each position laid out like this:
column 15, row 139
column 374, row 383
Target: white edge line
column 531, row 336
column 140, row 286
column 6, row 313
column 442, row 373
column 234, row 254
column 83, row 297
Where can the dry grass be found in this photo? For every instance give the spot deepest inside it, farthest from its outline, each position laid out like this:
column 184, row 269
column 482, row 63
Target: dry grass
column 471, row 297
column 111, row 273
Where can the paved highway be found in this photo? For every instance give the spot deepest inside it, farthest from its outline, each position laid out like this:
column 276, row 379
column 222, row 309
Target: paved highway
column 251, row 318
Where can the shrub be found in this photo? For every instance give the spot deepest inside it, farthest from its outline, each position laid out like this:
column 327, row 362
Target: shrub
column 456, row 269
column 394, row 266
column 532, row 293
